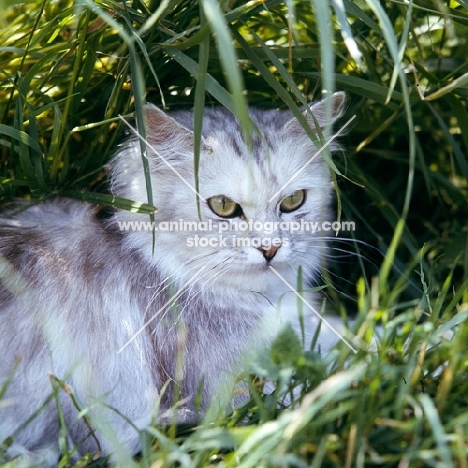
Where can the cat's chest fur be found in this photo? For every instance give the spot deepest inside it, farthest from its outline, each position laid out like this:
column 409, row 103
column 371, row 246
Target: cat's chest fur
column 90, row 299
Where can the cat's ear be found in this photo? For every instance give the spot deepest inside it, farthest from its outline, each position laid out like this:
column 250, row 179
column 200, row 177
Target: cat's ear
column 166, row 135
column 318, row 109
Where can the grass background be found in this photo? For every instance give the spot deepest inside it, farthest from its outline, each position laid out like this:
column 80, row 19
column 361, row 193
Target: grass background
column 67, row 69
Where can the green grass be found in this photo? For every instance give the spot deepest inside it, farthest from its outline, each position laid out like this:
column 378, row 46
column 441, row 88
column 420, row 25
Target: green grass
column 68, row 69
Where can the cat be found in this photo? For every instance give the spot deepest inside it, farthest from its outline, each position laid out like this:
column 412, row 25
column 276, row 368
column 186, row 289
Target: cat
column 129, row 316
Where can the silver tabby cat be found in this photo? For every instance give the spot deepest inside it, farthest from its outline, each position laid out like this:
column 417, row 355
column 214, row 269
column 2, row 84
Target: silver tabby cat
column 85, row 296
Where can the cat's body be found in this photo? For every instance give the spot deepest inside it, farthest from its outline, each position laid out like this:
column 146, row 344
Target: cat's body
column 90, row 302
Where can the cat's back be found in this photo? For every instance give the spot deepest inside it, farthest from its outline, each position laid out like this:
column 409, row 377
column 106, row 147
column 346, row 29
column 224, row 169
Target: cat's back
column 46, row 245
column 54, row 215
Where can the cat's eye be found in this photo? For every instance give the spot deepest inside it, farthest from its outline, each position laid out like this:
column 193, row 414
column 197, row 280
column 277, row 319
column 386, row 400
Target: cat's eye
column 293, row 201
column 224, row 206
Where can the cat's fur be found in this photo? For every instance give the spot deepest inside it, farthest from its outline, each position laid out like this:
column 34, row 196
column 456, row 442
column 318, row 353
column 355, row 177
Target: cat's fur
column 74, row 288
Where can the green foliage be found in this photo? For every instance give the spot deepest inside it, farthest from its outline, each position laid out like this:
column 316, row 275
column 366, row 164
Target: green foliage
column 68, row 69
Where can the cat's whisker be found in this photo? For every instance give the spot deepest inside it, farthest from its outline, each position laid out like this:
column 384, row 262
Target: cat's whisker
column 224, row 269
column 188, row 262
column 354, row 245
column 190, row 300
column 166, row 280
column 333, row 274
column 187, row 301
column 329, row 254
column 163, row 310
column 327, row 251
column 212, row 279
column 201, row 256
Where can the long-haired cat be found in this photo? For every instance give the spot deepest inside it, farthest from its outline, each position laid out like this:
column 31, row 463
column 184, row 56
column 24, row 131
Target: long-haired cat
column 86, row 298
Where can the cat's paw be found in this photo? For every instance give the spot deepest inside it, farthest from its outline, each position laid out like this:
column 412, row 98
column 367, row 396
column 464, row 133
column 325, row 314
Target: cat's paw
column 180, row 416
column 46, row 457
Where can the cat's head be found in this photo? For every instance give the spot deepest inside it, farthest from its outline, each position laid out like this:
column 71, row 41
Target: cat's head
column 257, row 203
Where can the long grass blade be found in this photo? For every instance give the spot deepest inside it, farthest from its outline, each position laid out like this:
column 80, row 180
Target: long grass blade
column 228, row 60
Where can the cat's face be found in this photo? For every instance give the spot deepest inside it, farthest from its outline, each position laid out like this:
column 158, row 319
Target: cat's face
column 257, row 204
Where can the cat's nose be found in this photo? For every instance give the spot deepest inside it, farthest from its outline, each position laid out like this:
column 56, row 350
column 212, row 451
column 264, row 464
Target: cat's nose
column 269, row 252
